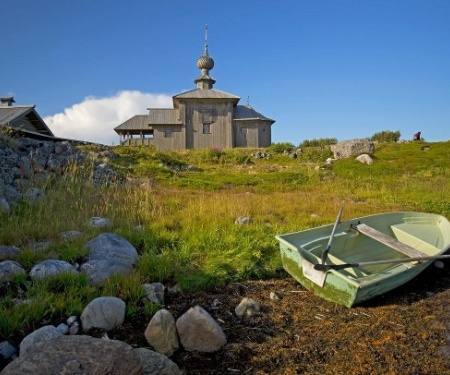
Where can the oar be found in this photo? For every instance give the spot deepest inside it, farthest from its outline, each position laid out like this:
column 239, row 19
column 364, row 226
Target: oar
column 327, row 249
column 327, row 267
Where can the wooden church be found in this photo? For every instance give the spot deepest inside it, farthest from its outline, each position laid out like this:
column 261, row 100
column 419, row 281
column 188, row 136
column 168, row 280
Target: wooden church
column 200, row 118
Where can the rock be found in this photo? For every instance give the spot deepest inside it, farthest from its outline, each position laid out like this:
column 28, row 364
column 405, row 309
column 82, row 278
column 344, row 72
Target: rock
column 161, row 333
column 108, row 254
column 33, row 195
column 81, row 355
column 51, row 267
column 241, row 220
column 274, row 296
column 71, row 320
column 114, row 247
column 103, row 312
column 71, row 235
column 9, row 269
column 7, row 351
column 438, row 264
column 9, row 252
column 39, row 336
column 248, row 306
column 365, row 159
column 345, row 149
column 63, row 328
column 154, row 292
column 5, row 207
column 99, row 222
column 40, row 245
column 99, row 271
column 156, row 364
column 198, row 331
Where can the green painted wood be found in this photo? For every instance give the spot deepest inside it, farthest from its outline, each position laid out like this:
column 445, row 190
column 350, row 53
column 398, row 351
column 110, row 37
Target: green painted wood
column 424, row 233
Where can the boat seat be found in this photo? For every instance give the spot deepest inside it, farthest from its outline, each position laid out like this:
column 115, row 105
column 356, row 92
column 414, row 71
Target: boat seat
column 414, row 240
column 389, row 241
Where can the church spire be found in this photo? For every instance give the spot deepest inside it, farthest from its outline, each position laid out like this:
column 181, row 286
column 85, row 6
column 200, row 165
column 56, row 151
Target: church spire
column 205, row 64
column 206, row 40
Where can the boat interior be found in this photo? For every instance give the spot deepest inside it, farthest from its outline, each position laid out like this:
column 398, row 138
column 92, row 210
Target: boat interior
column 363, row 243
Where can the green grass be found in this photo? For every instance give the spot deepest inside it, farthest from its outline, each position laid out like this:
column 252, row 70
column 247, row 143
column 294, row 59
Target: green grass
column 188, row 234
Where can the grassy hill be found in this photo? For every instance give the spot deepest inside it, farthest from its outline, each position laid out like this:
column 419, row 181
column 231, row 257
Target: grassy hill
column 185, row 204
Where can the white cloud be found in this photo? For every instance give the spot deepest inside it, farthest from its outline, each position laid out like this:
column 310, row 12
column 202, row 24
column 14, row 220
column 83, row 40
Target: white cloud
column 94, row 119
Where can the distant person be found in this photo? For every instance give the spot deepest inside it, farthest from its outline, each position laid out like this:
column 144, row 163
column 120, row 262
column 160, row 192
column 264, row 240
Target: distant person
column 417, row 136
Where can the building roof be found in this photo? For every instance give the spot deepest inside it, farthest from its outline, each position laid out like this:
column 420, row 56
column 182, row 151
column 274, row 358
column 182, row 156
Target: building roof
column 206, row 94
column 164, row 116
column 246, row 112
column 137, row 122
column 11, row 115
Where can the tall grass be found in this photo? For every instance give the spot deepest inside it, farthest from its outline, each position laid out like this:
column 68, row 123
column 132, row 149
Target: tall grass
column 182, row 222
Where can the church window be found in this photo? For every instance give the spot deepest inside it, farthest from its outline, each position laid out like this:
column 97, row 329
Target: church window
column 168, row 132
column 206, row 128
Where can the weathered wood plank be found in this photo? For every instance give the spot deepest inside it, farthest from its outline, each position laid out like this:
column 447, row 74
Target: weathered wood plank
column 388, row 241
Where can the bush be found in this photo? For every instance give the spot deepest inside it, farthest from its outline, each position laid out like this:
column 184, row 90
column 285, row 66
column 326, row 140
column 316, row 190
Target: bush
column 386, row 136
column 318, row 142
column 280, row 147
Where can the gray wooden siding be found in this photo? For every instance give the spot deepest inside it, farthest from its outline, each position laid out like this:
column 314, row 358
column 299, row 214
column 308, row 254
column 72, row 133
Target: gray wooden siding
column 252, row 134
column 221, row 134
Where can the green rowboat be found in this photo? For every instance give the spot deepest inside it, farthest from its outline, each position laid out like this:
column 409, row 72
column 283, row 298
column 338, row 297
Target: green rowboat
column 358, row 259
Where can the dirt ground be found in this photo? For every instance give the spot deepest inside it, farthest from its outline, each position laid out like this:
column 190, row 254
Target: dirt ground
column 406, row 331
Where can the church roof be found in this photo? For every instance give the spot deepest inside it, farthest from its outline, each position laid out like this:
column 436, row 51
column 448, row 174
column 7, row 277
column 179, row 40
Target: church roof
column 206, row 94
column 246, row 112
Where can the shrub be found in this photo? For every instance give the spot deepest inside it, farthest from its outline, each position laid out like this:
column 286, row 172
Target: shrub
column 386, row 136
column 318, row 142
column 280, row 147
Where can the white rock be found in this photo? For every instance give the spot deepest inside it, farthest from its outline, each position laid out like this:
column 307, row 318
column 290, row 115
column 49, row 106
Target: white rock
column 103, row 312
column 274, row 296
column 365, row 159
column 248, row 306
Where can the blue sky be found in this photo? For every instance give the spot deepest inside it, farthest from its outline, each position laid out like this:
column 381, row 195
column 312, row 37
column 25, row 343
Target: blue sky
column 322, row 69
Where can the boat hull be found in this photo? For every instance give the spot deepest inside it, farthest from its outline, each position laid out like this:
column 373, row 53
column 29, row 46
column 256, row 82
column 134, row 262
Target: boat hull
column 428, row 233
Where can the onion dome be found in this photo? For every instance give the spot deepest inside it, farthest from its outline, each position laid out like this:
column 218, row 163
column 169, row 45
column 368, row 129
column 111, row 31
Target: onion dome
column 205, row 62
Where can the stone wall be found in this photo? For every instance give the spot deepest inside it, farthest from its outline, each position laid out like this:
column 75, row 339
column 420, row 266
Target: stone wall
column 27, row 163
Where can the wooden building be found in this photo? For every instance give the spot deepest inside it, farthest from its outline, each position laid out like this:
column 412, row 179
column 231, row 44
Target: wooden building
column 23, row 119
column 200, row 118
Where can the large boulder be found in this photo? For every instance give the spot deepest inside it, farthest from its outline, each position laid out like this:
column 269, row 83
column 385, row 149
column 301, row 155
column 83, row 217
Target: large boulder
column 103, row 312
column 109, row 253
column 198, row 331
column 354, row 147
column 81, row 355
